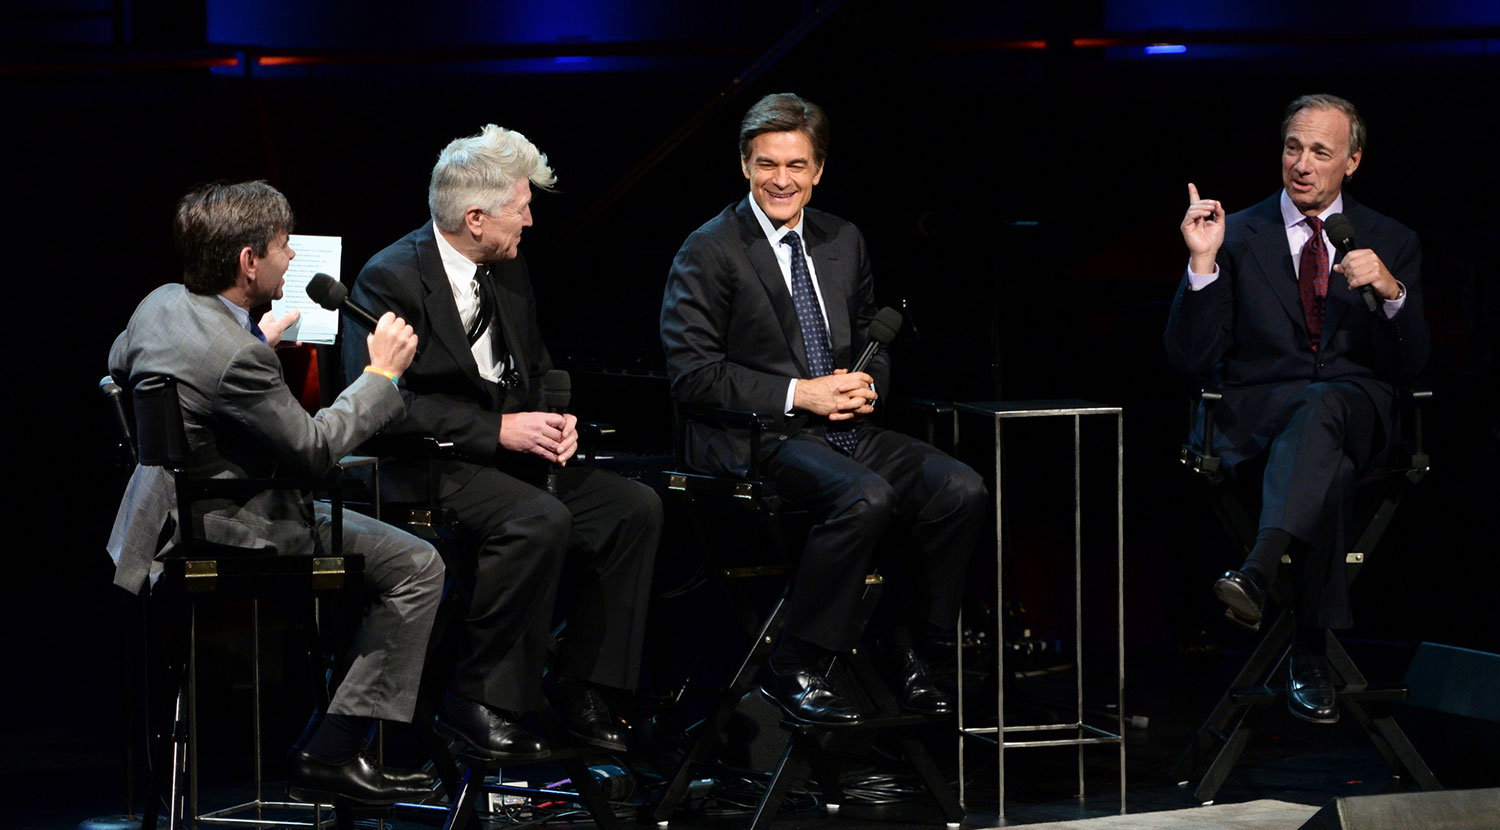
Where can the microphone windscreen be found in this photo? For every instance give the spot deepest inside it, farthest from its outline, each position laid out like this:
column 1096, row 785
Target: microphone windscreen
column 557, row 389
column 1340, row 231
column 326, row 291
column 885, row 325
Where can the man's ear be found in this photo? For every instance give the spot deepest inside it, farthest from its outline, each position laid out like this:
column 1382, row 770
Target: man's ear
column 248, row 262
column 473, row 216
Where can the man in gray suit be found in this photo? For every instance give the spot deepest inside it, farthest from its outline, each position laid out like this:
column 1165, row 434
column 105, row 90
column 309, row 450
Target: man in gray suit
column 243, row 422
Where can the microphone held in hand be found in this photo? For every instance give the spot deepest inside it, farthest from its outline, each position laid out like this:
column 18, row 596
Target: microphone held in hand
column 882, row 331
column 332, row 295
column 557, row 391
column 1341, row 233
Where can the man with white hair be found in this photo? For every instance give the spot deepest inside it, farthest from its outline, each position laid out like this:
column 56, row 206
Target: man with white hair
column 462, row 284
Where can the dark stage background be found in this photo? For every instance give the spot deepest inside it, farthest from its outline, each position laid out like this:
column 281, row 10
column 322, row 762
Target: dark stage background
column 1018, row 169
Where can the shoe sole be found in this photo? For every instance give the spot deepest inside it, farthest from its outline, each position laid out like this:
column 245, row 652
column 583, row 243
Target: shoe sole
column 505, row 757
column 1239, row 603
column 597, row 743
column 772, row 699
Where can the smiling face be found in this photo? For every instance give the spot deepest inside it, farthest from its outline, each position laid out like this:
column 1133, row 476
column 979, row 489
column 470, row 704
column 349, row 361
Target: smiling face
column 782, row 174
column 1315, row 158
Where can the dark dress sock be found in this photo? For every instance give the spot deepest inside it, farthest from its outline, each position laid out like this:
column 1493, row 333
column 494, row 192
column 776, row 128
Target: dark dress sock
column 1265, row 556
column 339, row 738
column 795, row 654
column 1310, row 641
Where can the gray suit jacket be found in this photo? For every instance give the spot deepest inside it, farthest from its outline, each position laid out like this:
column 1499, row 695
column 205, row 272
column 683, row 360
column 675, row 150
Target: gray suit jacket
column 241, row 421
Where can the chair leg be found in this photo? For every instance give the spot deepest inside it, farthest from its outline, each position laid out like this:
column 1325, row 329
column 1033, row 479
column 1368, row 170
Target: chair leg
column 1228, row 754
column 931, row 778
column 791, row 769
column 1222, row 722
column 463, row 802
column 713, row 726
column 589, row 793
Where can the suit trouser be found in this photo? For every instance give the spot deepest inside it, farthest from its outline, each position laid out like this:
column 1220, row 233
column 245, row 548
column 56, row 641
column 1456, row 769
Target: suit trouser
column 889, row 477
column 386, row 653
column 601, row 531
column 1326, row 439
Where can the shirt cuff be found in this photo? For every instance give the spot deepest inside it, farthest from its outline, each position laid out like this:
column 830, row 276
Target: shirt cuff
column 1198, row 282
column 791, row 395
column 1393, row 306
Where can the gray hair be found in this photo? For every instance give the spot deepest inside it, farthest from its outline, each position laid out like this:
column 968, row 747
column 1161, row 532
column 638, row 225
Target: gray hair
column 1324, row 101
column 214, row 222
column 479, row 171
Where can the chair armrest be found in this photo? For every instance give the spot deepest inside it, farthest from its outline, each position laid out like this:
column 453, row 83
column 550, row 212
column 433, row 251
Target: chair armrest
column 756, row 422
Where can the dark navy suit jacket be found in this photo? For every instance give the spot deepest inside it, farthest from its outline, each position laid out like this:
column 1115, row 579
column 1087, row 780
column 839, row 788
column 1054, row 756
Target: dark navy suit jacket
column 1245, row 333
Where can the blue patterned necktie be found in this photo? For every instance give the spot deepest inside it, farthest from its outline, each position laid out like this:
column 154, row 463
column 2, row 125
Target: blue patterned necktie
column 843, row 435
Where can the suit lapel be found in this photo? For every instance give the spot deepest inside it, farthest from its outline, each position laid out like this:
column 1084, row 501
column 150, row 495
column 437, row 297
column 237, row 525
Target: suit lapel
column 1268, row 247
column 505, row 318
column 833, row 281
column 768, row 271
column 1340, row 298
column 447, row 327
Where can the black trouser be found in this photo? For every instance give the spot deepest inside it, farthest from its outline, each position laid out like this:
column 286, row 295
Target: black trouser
column 1326, row 438
column 601, row 533
column 890, row 476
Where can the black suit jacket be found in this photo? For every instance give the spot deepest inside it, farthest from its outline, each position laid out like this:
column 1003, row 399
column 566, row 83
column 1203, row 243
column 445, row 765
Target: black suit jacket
column 446, row 396
column 730, row 330
column 1246, row 331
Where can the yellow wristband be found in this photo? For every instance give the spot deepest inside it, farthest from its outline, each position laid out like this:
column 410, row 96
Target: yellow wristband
column 374, row 371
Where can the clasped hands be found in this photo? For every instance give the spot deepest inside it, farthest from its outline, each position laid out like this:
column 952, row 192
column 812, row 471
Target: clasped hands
column 1203, row 232
column 840, row 396
column 552, row 436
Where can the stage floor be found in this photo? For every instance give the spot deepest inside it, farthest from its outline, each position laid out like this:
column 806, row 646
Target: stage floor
column 57, row 774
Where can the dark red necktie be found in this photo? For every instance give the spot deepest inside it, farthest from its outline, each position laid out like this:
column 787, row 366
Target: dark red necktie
column 1312, row 281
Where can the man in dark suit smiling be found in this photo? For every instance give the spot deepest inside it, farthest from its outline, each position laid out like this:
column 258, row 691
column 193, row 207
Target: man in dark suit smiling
column 764, row 308
column 1308, row 374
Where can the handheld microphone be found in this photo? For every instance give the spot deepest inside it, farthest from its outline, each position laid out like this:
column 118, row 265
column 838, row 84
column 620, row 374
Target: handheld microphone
column 882, row 331
column 1341, row 233
column 332, row 295
column 557, row 391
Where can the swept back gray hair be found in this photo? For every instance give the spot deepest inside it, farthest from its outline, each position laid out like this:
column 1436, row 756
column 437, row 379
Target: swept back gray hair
column 479, row 171
column 1324, row 101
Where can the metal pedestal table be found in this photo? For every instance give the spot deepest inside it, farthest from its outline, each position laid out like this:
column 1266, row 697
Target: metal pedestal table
column 1077, row 733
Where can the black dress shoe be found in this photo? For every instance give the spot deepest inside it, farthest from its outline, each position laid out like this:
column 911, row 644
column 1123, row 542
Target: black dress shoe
column 358, row 780
column 486, row 731
column 915, row 688
column 1243, row 593
column 586, row 716
column 1309, row 689
column 808, row 697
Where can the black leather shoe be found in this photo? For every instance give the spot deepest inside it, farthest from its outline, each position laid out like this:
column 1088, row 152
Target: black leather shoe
column 358, row 780
column 915, row 688
column 491, row 735
column 1243, row 593
column 586, row 716
column 808, row 697
column 1309, row 689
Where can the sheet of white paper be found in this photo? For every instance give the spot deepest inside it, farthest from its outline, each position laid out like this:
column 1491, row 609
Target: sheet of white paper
column 315, row 255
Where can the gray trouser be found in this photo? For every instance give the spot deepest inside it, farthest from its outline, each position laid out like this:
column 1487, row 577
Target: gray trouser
column 385, row 654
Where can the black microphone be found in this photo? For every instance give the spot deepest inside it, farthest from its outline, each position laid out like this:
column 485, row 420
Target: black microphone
column 332, row 295
column 1341, row 233
column 882, row 331
column 557, row 391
